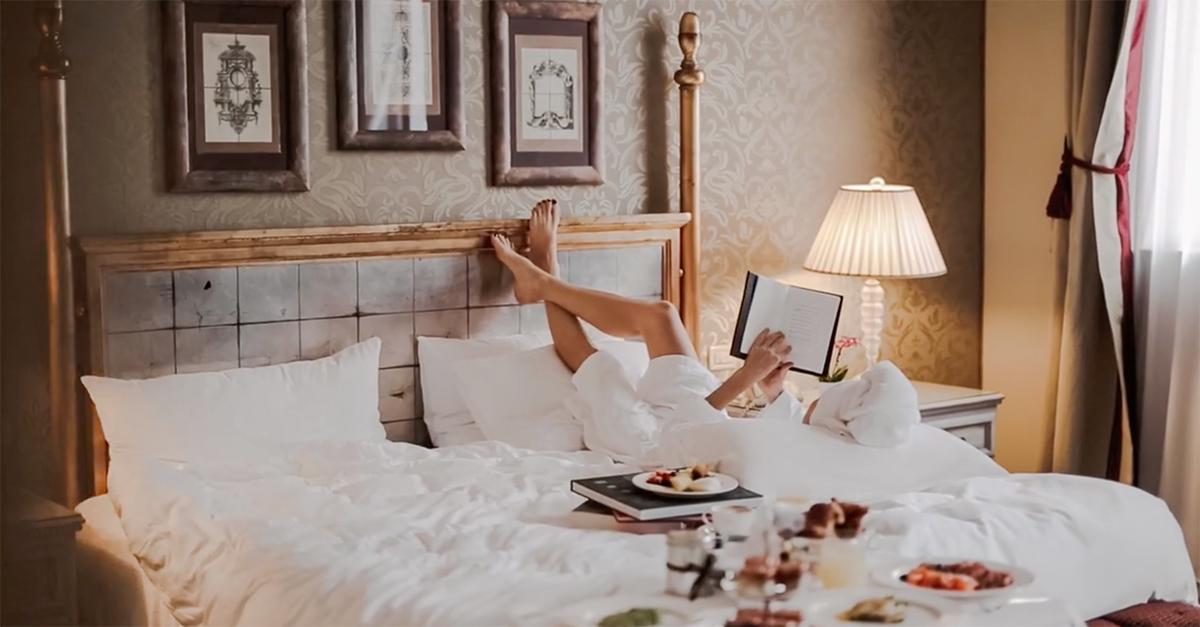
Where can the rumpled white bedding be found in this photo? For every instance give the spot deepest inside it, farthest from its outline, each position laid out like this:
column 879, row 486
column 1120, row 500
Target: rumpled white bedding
column 390, row 533
column 112, row 586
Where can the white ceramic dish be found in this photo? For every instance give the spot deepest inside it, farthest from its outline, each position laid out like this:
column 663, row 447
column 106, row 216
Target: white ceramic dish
column 671, row 611
column 891, row 576
column 821, row 608
column 728, row 484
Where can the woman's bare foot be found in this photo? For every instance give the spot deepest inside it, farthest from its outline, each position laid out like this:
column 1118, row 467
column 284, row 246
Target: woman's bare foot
column 543, row 236
column 529, row 278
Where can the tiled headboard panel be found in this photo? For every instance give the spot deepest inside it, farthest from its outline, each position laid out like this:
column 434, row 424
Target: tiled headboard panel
column 205, row 319
column 194, row 302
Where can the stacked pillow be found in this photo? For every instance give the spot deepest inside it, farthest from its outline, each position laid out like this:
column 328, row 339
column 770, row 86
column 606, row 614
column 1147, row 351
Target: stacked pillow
column 446, row 413
column 511, row 389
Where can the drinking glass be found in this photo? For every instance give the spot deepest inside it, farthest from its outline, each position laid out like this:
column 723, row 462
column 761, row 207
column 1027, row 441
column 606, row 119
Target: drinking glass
column 841, row 563
column 761, row 572
column 733, row 523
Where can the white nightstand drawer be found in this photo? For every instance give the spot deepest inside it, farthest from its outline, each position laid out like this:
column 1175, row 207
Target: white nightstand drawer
column 975, row 435
column 963, row 412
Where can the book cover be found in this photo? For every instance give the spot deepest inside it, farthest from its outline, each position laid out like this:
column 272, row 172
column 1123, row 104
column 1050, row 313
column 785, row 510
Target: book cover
column 696, row 519
column 619, row 493
column 807, row 317
column 592, row 507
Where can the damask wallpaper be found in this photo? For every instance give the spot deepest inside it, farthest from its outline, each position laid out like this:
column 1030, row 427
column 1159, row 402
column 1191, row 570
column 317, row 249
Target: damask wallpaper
column 802, row 96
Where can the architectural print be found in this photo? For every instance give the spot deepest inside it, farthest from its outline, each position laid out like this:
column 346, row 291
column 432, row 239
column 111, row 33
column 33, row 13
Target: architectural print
column 235, row 77
column 547, row 69
column 401, row 56
column 237, row 88
column 550, row 109
column 397, row 75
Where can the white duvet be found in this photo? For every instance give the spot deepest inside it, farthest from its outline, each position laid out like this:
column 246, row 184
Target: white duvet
column 395, row 534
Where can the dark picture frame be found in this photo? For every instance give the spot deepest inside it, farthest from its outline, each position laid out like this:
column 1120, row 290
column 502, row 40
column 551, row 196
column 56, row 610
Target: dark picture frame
column 247, row 132
column 555, row 137
column 391, row 127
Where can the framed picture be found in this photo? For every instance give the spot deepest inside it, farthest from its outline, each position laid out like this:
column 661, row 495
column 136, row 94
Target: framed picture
column 398, row 75
column 236, row 88
column 546, row 83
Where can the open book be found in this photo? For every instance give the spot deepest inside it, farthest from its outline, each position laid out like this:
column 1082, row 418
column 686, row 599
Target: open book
column 807, row 317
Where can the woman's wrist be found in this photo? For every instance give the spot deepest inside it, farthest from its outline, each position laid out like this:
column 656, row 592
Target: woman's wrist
column 738, row 382
column 743, row 379
column 773, row 395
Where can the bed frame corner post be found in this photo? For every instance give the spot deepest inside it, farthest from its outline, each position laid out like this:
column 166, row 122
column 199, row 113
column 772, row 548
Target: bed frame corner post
column 690, row 77
column 51, row 65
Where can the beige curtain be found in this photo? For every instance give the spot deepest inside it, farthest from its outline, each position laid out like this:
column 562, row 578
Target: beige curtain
column 1085, row 381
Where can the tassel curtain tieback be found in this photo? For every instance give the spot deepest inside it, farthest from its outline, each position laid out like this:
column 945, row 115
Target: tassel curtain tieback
column 1059, row 205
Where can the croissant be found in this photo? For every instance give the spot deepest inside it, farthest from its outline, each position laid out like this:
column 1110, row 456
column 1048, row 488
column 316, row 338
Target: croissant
column 825, row 519
column 852, row 519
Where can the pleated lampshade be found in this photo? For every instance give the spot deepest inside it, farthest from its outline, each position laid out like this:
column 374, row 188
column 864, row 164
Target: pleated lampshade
column 876, row 230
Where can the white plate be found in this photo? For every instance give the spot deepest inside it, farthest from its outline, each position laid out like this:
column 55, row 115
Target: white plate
column 890, row 576
column 671, row 610
column 821, row 608
column 728, row 484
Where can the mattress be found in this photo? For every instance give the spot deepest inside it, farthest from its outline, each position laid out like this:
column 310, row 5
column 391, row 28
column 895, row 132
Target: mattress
column 113, row 588
column 389, row 533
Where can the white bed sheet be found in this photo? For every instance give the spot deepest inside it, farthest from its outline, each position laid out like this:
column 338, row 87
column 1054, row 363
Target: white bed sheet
column 113, row 588
column 391, row 533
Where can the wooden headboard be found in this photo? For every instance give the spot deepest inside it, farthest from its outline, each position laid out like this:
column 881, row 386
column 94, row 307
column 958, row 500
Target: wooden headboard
column 139, row 267
column 197, row 302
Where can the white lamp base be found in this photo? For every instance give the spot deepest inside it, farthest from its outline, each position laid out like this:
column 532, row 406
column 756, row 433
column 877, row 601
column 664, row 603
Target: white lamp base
column 871, row 314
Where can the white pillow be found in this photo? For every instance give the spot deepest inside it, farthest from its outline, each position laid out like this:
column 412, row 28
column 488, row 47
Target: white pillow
column 631, row 353
column 466, row 434
column 520, row 398
column 444, row 410
column 789, row 459
column 243, row 415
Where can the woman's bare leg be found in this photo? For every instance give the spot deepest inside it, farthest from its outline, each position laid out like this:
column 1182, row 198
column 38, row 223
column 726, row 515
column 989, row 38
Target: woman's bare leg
column 570, row 340
column 657, row 323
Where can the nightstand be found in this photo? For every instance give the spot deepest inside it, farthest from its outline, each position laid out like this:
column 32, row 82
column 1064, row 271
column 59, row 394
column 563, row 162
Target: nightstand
column 38, row 576
column 965, row 412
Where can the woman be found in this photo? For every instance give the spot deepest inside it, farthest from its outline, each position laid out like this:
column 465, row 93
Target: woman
column 621, row 415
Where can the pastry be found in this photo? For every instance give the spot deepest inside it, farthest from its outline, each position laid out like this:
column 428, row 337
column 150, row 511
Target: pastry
column 884, row 610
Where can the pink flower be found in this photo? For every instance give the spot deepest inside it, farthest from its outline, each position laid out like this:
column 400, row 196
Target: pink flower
column 839, row 371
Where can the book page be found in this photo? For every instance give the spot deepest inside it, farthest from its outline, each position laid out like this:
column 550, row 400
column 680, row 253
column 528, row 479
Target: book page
column 770, row 299
column 810, row 322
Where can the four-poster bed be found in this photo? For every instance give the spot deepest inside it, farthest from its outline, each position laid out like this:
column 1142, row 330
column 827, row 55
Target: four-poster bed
column 399, row 534
column 51, row 65
column 107, row 265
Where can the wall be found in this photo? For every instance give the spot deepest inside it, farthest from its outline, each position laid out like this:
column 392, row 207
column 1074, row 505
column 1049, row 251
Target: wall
column 1024, row 122
column 801, row 97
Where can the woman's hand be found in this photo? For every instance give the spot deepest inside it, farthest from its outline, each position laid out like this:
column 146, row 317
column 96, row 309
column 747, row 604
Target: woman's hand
column 772, row 384
column 768, row 352
column 766, row 355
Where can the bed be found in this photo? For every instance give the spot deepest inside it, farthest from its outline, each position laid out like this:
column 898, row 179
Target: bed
column 392, row 531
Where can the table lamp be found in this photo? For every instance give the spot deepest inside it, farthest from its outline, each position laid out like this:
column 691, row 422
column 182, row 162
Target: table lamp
column 877, row 231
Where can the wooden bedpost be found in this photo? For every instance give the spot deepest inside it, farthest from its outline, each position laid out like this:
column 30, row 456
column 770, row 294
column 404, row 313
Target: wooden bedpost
column 690, row 78
column 51, row 65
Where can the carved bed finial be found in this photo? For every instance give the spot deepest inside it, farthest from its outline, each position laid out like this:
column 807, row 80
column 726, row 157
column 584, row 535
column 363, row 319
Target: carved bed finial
column 690, row 78
column 51, row 61
column 689, row 41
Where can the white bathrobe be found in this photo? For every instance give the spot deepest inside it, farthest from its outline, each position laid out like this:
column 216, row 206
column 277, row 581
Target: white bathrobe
column 625, row 414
